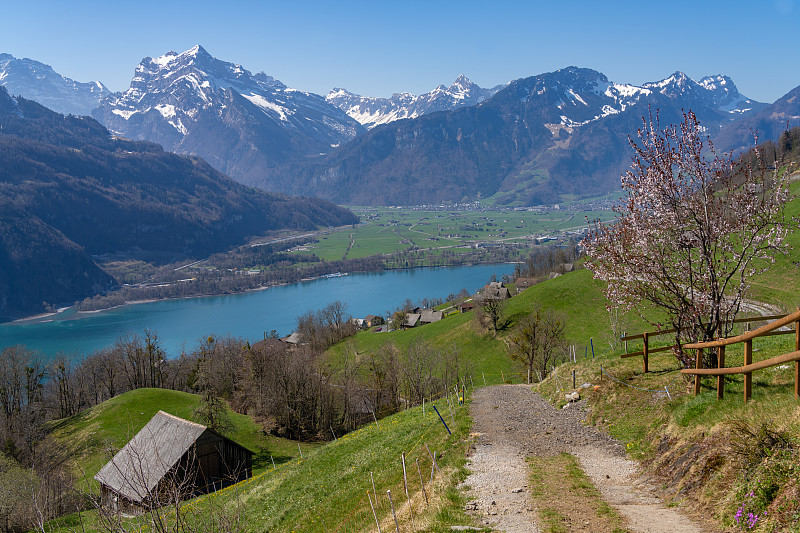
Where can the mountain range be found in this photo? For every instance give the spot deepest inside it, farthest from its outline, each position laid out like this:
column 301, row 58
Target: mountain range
column 542, row 139
column 371, row 112
column 70, row 191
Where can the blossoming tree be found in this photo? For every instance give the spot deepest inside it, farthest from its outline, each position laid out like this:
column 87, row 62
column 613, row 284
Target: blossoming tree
column 692, row 229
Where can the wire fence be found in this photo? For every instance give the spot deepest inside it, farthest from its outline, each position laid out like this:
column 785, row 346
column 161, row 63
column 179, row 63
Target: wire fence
column 402, row 495
column 389, row 504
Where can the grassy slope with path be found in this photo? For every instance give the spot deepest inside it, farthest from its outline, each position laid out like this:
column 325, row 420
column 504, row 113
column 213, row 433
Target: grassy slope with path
column 327, row 489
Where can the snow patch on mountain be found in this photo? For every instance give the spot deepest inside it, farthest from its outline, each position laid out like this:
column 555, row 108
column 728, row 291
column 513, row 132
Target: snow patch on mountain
column 266, row 105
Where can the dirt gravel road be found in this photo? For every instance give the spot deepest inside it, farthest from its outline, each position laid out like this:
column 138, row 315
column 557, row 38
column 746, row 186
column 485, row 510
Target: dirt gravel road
column 512, row 423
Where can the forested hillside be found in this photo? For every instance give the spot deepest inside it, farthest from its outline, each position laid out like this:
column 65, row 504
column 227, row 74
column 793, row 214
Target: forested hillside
column 68, row 189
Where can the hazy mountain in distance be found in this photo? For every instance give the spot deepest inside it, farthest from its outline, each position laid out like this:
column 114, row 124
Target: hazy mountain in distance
column 39, row 82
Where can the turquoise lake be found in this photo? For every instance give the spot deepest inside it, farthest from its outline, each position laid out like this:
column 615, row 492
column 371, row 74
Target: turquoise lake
column 181, row 323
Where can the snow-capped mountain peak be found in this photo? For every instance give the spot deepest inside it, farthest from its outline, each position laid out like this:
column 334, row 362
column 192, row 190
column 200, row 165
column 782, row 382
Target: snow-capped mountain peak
column 717, row 91
column 372, row 112
column 177, row 99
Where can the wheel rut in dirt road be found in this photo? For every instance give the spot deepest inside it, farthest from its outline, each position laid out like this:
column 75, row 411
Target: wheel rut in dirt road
column 512, row 424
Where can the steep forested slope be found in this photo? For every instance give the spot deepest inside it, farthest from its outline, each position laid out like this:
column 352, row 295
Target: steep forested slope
column 68, row 189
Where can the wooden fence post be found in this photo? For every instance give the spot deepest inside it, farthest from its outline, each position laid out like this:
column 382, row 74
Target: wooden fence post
column 645, row 351
column 698, row 364
column 748, row 376
column 797, row 363
column 721, row 377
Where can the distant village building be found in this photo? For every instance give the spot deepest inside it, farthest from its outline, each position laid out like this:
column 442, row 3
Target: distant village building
column 269, row 344
column 495, row 290
column 170, row 457
column 524, row 283
column 427, row 316
column 372, row 320
column 467, row 306
column 293, row 339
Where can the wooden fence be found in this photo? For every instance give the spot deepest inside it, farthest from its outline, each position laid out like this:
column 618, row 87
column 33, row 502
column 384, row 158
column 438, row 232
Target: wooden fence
column 748, row 367
column 646, row 350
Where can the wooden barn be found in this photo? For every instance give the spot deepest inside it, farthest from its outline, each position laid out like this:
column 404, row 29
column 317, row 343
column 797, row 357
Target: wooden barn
column 170, row 458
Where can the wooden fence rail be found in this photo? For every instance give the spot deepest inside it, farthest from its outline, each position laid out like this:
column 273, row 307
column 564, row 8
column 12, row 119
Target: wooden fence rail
column 748, row 367
column 646, row 350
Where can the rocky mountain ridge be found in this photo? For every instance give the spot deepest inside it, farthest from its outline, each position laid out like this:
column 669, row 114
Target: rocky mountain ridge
column 541, row 139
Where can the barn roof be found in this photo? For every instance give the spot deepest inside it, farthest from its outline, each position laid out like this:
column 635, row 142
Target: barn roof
column 429, row 315
column 411, row 320
column 137, row 468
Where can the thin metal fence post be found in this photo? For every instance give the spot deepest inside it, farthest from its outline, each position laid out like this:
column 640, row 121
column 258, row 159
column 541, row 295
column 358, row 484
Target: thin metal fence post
column 391, row 502
column 373, row 511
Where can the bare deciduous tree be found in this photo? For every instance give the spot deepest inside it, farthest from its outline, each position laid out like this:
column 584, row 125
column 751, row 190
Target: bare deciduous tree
column 490, row 312
column 211, row 411
column 538, row 340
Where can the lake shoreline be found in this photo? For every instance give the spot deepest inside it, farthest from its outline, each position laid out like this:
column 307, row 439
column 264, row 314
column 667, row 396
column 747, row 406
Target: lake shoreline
column 181, row 322
column 39, row 318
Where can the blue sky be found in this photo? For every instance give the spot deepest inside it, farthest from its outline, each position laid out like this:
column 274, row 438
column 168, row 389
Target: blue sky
column 379, row 47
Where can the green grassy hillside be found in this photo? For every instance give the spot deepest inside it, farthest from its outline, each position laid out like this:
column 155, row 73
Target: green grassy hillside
column 576, row 295
column 780, row 285
column 326, row 490
column 97, row 433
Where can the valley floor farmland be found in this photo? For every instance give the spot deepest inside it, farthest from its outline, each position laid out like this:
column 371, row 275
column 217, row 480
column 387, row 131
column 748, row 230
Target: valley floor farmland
column 457, row 229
